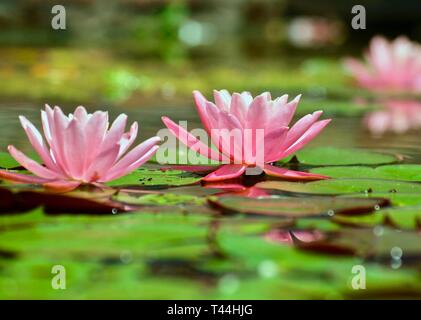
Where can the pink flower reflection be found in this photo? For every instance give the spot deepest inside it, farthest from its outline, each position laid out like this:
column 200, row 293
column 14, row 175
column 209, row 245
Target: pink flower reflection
column 397, row 117
column 287, row 236
column 237, row 189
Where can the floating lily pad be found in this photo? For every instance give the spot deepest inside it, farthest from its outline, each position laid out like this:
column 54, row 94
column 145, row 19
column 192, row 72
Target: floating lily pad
column 316, row 223
column 402, row 218
column 397, row 199
column 331, row 156
column 296, row 206
column 368, row 244
column 8, row 162
column 292, row 264
column 343, row 186
column 147, row 177
column 404, row 172
column 168, row 199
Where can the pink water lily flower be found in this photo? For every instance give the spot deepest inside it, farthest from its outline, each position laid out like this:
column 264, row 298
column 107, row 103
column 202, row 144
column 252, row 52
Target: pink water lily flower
column 79, row 149
column 394, row 65
column 248, row 116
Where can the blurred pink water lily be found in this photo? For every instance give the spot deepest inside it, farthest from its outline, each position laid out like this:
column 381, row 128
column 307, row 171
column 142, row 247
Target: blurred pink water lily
column 79, row 149
column 262, row 118
column 394, row 65
column 397, row 116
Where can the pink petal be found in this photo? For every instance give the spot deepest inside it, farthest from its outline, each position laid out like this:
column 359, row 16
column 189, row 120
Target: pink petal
column 49, row 128
column 239, row 107
column 221, row 123
column 95, row 131
column 108, row 151
column 116, row 131
column 21, row 178
column 61, row 185
column 212, row 113
column 284, row 112
column 310, row 134
column 300, row 127
column 47, row 119
column 134, row 159
column 280, row 102
column 291, row 175
column 122, row 171
column 102, row 164
column 190, row 141
column 128, row 138
column 222, row 99
column 258, row 112
column 200, row 103
column 74, row 148
column 81, row 115
column 230, row 134
column 36, row 140
column 272, row 143
column 58, row 142
column 32, row 165
column 226, row 172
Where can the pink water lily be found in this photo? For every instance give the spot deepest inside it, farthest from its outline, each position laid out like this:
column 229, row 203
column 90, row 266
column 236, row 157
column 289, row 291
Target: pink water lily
column 79, row 149
column 250, row 116
column 394, row 65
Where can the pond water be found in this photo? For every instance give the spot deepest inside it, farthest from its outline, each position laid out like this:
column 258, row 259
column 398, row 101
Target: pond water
column 300, row 243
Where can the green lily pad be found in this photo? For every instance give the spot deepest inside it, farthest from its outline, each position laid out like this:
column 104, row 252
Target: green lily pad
column 7, row 161
column 397, row 199
column 403, row 172
column 343, row 186
column 168, row 199
column 316, row 223
column 151, row 256
column 147, row 177
column 331, row 156
column 142, row 233
column 402, row 218
column 368, row 244
column 296, row 206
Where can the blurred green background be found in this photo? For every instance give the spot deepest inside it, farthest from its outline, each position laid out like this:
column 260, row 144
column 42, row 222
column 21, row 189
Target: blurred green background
column 137, row 52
